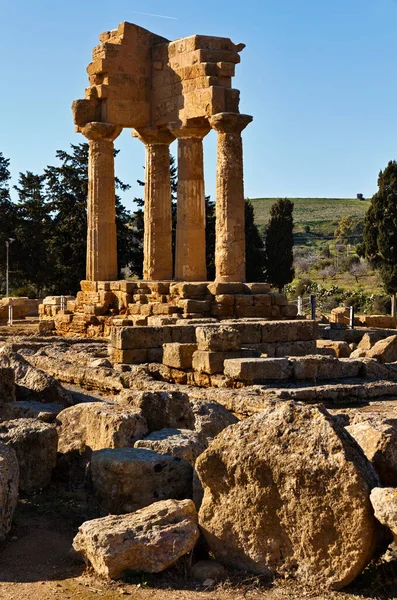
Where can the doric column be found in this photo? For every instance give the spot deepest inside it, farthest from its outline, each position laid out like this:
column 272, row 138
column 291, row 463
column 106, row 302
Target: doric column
column 101, row 210
column 157, row 244
column 190, row 263
column 230, row 210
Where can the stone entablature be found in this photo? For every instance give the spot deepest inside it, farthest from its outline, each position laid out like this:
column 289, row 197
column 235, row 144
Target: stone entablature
column 165, row 91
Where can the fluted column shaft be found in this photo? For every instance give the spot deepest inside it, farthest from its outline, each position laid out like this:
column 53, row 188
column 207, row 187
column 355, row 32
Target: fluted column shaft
column 157, row 241
column 190, row 259
column 101, row 208
column 230, row 208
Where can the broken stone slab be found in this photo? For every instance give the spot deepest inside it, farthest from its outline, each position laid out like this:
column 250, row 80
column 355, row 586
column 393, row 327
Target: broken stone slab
column 9, row 484
column 221, row 338
column 211, row 417
column 35, row 444
column 95, row 425
column 369, row 340
column 378, row 439
column 32, row 383
column 178, row 356
column 160, row 409
column 149, row 540
column 384, row 502
column 127, row 479
column 298, row 483
column 385, row 350
column 250, row 370
column 182, row 443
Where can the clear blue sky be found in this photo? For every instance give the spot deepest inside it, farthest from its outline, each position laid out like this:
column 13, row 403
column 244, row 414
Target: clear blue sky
column 319, row 77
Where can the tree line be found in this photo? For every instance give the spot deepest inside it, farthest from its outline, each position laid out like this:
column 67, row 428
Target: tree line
column 47, row 227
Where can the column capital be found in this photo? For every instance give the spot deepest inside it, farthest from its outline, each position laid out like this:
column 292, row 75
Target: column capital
column 153, row 135
column 97, row 131
column 192, row 128
column 228, row 122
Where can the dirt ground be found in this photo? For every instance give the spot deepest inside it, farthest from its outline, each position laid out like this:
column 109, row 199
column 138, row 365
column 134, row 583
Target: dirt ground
column 35, row 564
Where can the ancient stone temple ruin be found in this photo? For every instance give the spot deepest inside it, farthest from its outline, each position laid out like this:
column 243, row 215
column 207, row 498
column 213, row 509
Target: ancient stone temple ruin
column 165, row 91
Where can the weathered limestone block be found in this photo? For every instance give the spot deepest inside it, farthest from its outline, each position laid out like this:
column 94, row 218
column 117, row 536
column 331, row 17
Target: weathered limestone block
column 222, row 338
column 149, row 540
column 129, row 357
column 385, row 350
column 9, row 483
column 217, row 288
column 183, row 289
column 35, row 444
column 296, row 348
column 384, row 502
column 289, row 331
column 325, row 367
column 180, row 333
column 257, row 288
column 333, row 348
column 300, row 486
column 250, row 332
column 378, row 439
column 129, row 338
column 32, row 383
column 252, row 370
column 213, row 362
column 127, row 479
column 178, row 356
column 211, row 417
column 96, row 425
column 369, row 340
column 181, row 443
column 161, row 409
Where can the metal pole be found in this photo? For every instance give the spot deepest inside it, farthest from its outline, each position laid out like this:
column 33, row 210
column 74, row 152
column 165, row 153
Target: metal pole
column 7, row 247
column 62, row 303
column 300, row 306
column 10, row 313
column 352, row 317
column 313, row 305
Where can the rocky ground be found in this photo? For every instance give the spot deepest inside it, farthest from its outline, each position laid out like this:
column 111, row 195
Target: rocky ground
column 132, row 415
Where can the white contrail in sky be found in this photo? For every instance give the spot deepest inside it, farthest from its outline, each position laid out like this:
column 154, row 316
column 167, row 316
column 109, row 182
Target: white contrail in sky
column 151, row 15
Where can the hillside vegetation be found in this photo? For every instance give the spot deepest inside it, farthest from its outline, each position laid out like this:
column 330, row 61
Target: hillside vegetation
column 315, row 218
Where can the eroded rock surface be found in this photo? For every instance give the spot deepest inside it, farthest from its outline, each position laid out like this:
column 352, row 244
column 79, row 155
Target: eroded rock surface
column 287, row 491
column 182, row 443
column 9, row 481
column 35, row 444
column 149, row 540
column 96, row 425
column 127, row 479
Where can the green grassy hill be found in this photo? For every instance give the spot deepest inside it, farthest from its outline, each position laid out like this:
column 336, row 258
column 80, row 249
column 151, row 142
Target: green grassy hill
column 320, row 214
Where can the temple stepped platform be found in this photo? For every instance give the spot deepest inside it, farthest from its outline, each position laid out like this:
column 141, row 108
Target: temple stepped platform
column 101, row 305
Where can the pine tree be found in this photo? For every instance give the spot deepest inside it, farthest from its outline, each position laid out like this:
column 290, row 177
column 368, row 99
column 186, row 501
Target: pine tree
column 33, row 232
column 8, row 216
column 380, row 228
column 67, row 190
column 254, row 247
column 279, row 242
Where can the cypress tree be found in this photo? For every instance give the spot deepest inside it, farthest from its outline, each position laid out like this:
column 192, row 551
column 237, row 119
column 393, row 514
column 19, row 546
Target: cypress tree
column 380, row 228
column 254, row 247
column 33, row 232
column 279, row 242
